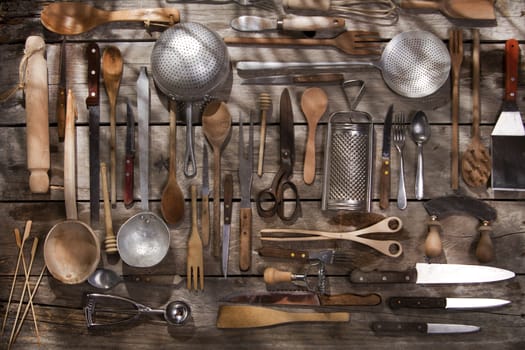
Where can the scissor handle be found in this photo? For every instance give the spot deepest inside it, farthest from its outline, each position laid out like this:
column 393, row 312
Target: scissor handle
column 283, row 187
column 269, row 199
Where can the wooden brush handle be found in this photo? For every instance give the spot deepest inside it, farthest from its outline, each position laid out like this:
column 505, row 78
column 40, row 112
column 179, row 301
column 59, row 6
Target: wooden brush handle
column 485, row 248
column 433, row 245
column 36, row 99
column 273, row 276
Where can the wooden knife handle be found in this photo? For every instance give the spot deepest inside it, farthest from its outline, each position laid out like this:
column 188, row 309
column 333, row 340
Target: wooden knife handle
column 275, row 252
column 93, row 59
column 384, row 184
column 317, row 5
column 228, row 198
column 129, row 166
column 36, row 97
column 399, row 327
column 61, row 112
column 247, row 316
column 408, row 276
column 417, row 302
column 433, row 245
column 512, row 52
column 205, row 220
column 485, row 248
column 312, row 23
column 348, row 299
column 273, row 276
column 245, row 239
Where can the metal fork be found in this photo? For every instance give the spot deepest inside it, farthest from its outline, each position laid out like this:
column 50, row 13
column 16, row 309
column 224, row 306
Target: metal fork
column 195, row 260
column 399, row 130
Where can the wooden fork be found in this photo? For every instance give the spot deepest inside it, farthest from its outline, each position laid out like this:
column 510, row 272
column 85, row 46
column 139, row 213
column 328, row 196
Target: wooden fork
column 456, row 56
column 195, row 261
column 352, row 42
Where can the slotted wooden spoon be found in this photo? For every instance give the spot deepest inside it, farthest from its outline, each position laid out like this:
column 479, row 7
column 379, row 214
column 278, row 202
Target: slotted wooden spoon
column 71, row 18
column 475, row 163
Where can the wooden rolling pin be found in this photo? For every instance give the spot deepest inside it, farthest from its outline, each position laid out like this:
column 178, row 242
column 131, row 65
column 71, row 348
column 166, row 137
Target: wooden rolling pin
column 36, row 102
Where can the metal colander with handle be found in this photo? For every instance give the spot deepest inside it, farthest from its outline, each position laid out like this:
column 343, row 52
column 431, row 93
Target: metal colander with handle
column 188, row 62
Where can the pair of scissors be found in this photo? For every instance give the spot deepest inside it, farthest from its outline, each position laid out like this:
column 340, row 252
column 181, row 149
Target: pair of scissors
column 271, row 200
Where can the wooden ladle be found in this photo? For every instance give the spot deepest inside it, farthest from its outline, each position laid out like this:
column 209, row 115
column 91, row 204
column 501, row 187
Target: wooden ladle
column 172, row 200
column 313, row 103
column 112, row 67
column 71, row 18
column 216, row 123
column 475, row 163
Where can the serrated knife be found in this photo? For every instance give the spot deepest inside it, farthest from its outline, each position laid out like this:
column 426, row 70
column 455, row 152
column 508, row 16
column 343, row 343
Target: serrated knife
column 291, row 23
column 434, row 274
column 445, row 303
column 422, row 327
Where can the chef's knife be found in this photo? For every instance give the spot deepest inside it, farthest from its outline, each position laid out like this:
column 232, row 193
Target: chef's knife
column 384, row 179
column 205, row 194
column 292, row 23
column 422, row 327
column 92, row 103
column 434, row 273
column 61, row 93
column 228, row 199
column 245, row 185
column 143, row 112
column 445, row 303
column 328, row 256
column 129, row 164
column 299, row 79
column 303, row 298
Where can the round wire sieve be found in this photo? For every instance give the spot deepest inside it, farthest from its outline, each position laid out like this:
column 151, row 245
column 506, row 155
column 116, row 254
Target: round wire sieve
column 188, row 62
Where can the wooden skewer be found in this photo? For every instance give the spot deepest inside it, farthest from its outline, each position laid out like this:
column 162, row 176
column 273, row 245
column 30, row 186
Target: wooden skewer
column 26, row 286
column 20, row 245
column 31, row 295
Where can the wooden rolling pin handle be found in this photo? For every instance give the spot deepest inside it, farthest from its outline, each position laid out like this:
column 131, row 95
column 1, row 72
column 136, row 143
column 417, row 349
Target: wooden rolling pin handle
column 36, row 97
column 317, row 5
column 485, row 248
column 273, row 276
column 433, row 245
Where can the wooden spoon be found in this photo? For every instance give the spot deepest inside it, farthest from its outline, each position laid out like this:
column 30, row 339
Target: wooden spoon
column 70, row 18
column 475, row 163
column 172, row 200
column 112, row 67
column 313, row 103
column 216, row 123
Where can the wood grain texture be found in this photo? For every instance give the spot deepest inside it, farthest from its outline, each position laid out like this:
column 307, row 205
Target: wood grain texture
column 59, row 307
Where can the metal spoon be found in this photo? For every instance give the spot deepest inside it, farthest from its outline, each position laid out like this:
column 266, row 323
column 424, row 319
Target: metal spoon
column 107, row 279
column 420, row 133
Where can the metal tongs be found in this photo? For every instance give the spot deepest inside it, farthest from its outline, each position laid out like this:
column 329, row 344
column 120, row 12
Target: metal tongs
column 388, row 225
column 105, row 310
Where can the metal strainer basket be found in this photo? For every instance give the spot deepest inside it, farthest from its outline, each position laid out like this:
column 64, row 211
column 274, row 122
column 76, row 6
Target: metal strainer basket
column 188, row 62
column 347, row 182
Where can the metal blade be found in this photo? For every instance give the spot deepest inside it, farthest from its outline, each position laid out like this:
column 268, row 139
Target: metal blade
column 276, row 298
column 386, row 132
column 287, row 138
column 457, row 273
column 445, row 328
column 225, row 249
column 474, row 303
column 130, row 130
column 245, row 165
column 302, row 79
column 455, row 205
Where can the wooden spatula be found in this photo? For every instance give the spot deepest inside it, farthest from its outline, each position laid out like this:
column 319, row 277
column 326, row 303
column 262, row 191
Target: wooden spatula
column 245, row 316
column 458, row 9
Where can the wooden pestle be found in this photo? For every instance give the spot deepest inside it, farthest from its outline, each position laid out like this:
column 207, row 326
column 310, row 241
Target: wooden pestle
column 36, row 103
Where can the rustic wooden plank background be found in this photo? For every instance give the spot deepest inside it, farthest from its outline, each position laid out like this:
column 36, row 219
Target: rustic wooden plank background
column 59, row 307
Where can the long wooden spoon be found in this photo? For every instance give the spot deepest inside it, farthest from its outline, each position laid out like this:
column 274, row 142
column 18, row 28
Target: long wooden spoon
column 112, row 67
column 70, row 18
column 216, row 123
column 313, row 103
column 475, row 163
column 172, row 200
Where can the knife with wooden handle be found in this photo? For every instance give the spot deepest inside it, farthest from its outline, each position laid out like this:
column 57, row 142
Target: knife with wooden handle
column 245, row 316
column 291, row 23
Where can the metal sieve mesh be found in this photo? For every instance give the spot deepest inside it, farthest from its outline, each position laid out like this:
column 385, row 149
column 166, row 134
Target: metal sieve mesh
column 415, row 63
column 188, row 61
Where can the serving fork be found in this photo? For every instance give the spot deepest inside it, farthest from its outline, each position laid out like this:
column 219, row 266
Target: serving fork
column 195, row 260
column 399, row 130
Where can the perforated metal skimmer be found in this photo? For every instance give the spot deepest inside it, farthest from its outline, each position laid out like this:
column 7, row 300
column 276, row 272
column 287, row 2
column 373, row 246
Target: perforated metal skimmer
column 347, row 179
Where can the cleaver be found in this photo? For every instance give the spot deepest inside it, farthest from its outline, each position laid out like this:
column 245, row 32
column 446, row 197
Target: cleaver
column 460, row 205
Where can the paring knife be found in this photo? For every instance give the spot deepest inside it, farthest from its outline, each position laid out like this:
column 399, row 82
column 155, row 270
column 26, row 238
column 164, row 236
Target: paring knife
column 434, row 274
column 303, row 298
column 205, row 195
column 245, row 185
column 384, row 179
column 129, row 164
column 143, row 111
column 422, row 327
column 228, row 200
column 61, row 94
column 92, row 103
column 444, row 303
column 291, row 23
column 299, row 79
